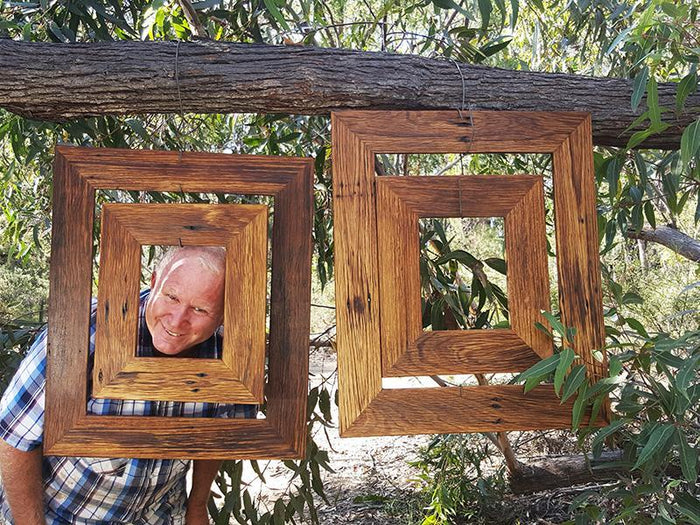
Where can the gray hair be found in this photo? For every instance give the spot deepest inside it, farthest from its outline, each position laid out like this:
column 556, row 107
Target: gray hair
column 211, row 257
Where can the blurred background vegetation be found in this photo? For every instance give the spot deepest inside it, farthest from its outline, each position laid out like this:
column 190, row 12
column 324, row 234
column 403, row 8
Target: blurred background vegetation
column 651, row 291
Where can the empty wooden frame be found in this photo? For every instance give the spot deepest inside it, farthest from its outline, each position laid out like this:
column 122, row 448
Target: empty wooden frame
column 78, row 173
column 239, row 376
column 377, row 281
column 406, row 350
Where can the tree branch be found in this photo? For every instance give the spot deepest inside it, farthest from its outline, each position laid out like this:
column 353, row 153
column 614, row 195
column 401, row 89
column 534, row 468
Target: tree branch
column 65, row 81
column 672, row 238
column 192, row 19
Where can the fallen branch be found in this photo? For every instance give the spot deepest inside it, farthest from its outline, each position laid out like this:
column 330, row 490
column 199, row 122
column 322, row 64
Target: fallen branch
column 52, row 81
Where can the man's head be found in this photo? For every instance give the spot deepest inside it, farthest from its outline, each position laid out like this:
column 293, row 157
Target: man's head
column 186, row 304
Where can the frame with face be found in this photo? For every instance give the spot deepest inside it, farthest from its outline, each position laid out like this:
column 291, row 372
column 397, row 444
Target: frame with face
column 78, row 173
column 238, row 377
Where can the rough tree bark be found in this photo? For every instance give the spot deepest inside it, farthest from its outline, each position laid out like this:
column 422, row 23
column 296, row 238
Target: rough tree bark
column 672, row 238
column 65, row 81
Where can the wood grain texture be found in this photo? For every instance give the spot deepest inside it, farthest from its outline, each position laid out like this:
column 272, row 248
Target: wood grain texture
column 447, row 132
column 464, row 352
column 528, row 274
column 405, row 349
column 492, row 408
column 69, row 301
column 357, row 137
column 58, row 81
column 290, row 310
column 580, row 292
column 456, row 196
column 117, row 307
column 239, row 376
column 399, row 275
column 356, row 276
column 172, row 437
column 69, row 431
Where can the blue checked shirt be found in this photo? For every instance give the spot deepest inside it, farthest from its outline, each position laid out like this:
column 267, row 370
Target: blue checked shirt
column 96, row 490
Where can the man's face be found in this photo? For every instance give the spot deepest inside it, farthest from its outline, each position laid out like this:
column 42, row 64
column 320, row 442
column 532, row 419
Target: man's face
column 185, row 307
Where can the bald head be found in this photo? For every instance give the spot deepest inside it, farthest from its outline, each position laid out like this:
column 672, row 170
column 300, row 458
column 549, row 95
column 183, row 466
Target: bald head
column 211, row 257
column 186, row 303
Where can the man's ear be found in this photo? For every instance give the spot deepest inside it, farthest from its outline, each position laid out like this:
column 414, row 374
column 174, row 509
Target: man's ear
column 153, row 280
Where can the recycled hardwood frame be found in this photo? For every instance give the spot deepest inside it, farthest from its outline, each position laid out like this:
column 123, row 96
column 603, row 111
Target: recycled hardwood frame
column 405, row 348
column 239, row 376
column 69, row 430
column 376, row 339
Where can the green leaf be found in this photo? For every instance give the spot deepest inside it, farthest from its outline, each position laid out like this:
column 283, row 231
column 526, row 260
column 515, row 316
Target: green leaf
column 615, row 366
column 462, row 256
column 540, row 369
column 556, row 323
column 497, row 264
column 446, row 4
column 639, row 87
column 637, row 326
column 650, row 214
column 632, row 298
column 686, row 86
column 58, row 32
column 604, row 432
column 687, row 372
column 688, row 505
column 272, row 8
column 618, row 39
column 656, row 441
column 485, row 9
column 573, row 381
column 653, row 102
column 688, row 456
column 579, row 406
column 514, row 7
column 690, row 142
column 566, row 357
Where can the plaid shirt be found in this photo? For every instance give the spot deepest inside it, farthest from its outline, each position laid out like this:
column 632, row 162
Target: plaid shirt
column 97, row 490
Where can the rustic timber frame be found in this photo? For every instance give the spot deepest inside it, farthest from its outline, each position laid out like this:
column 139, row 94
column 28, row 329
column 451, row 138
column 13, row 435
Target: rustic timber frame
column 375, row 216
column 239, row 376
column 69, row 430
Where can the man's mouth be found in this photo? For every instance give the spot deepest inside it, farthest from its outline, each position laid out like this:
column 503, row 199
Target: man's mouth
column 173, row 334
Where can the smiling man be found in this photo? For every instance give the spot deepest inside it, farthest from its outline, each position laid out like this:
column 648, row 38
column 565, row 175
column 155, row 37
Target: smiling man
column 179, row 316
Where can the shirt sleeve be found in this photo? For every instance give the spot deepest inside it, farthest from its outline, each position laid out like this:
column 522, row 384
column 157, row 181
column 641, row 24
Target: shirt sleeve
column 236, row 411
column 22, row 404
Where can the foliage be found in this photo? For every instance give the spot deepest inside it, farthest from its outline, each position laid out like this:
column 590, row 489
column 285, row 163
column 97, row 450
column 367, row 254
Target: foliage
column 655, row 390
column 459, row 480
column 297, row 503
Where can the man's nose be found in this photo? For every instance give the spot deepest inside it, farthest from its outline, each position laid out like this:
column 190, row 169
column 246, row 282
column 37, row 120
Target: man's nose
column 178, row 316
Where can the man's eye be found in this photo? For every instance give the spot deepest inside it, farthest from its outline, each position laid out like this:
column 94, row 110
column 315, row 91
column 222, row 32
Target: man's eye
column 200, row 311
column 171, row 297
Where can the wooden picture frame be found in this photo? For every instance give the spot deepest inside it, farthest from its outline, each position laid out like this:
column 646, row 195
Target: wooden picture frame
column 68, row 429
column 406, row 349
column 239, row 376
column 377, row 337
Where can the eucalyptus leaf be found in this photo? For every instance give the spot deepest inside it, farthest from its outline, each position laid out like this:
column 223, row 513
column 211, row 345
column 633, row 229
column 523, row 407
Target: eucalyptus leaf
column 690, row 142
column 688, row 457
column 639, row 87
column 658, row 438
column 566, row 357
column 573, row 381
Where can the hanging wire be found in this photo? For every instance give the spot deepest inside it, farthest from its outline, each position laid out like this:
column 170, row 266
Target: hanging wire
column 180, row 145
